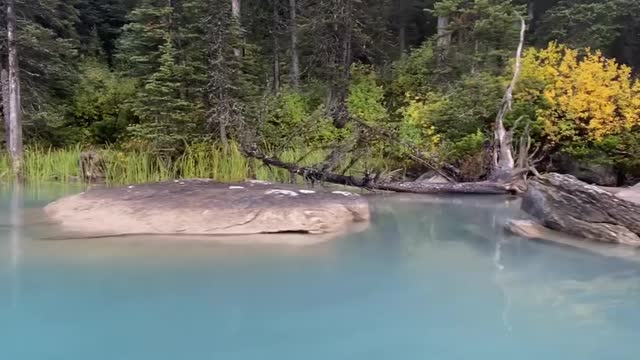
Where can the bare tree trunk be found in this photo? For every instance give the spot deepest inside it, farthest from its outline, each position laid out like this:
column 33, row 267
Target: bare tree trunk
column 276, row 48
column 4, row 84
column 15, row 110
column 342, row 62
column 223, row 136
column 402, row 38
column 276, row 66
column 444, row 37
column 503, row 162
column 476, row 48
column 293, row 30
column 235, row 13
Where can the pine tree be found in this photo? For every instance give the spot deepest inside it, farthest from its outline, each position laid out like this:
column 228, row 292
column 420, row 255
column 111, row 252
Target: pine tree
column 139, row 47
column 224, row 106
column 163, row 49
column 47, row 43
column 480, row 35
column 611, row 26
column 168, row 118
column 101, row 22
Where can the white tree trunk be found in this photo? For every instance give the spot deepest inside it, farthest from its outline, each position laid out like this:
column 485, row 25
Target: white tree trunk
column 15, row 110
column 402, row 39
column 293, row 30
column 235, row 12
column 444, row 37
column 276, row 47
column 503, row 156
column 4, row 86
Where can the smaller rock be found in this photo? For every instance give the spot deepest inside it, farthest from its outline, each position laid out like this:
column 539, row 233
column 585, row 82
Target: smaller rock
column 432, row 177
column 630, row 194
column 528, row 229
column 534, row 231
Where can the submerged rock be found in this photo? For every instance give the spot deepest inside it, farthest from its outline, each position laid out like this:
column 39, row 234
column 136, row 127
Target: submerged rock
column 204, row 207
column 563, row 203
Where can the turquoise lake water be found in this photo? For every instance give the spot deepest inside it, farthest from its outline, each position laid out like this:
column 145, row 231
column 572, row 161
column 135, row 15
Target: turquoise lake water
column 434, row 279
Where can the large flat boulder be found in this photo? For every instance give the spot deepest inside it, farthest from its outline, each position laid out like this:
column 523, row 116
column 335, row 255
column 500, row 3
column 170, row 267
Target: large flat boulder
column 566, row 204
column 205, row 207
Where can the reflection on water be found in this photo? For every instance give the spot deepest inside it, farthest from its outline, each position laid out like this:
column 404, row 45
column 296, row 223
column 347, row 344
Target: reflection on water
column 433, row 277
column 15, row 239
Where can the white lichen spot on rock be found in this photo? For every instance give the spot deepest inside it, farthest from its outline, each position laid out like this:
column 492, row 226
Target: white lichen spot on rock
column 235, row 187
column 307, row 191
column 344, row 193
column 281, row 192
column 261, row 182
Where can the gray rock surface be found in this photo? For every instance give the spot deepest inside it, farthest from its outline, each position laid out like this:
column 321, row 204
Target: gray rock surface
column 432, row 177
column 204, row 207
column 532, row 230
column 563, row 203
column 630, row 194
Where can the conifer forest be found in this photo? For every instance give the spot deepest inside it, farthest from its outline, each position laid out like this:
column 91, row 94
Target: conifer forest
column 374, row 89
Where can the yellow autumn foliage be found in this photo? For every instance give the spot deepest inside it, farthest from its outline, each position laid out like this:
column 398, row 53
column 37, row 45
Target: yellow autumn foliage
column 585, row 95
column 416, row 126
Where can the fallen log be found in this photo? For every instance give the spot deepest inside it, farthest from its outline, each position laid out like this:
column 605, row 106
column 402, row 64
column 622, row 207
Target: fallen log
column 443, row 188
column 313, row 174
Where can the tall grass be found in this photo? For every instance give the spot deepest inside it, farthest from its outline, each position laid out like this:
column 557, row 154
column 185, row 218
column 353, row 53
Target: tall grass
column 201, row 160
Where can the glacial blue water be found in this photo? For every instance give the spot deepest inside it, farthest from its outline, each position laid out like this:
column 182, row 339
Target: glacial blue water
column 430, row 279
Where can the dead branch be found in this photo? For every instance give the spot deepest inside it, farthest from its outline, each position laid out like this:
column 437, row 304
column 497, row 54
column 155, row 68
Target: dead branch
column 372, row 183
column 502, row 155
column 415, row 157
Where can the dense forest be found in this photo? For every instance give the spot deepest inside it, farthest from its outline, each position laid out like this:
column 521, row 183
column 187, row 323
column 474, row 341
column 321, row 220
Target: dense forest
column 386, row 87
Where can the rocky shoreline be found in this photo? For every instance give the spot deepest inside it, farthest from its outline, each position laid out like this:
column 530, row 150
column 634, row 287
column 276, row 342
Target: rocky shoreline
column 556, row 205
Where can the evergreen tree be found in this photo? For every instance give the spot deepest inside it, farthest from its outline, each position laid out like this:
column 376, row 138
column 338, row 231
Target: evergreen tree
column 225, row 108
column 611, row 26
column 47, row 44
column 168, row 117
column 101, row 22
column 163, row 50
